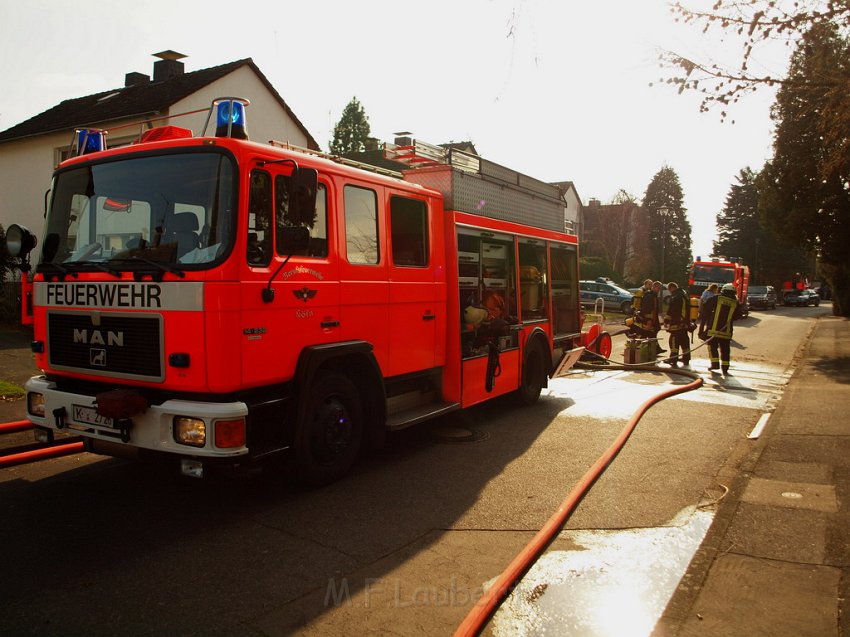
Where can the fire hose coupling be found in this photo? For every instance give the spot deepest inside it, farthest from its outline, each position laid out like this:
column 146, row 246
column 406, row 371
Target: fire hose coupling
column 59, row 414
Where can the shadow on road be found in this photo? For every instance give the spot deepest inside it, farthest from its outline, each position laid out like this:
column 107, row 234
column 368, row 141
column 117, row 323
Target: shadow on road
column 149, row 549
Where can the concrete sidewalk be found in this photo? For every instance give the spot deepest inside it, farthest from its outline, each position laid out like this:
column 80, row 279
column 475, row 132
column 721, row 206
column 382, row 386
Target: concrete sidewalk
column 776, row 559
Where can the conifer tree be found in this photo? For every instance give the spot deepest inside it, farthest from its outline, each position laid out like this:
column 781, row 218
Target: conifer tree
column 352, row 130
column 669, row 228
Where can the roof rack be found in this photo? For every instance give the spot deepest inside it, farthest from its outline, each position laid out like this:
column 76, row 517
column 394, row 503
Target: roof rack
column 419, row 154
column 337, row 159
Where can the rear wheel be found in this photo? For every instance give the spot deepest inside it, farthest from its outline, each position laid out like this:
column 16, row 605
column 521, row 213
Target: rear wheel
column 533, row 376
column 330, row 430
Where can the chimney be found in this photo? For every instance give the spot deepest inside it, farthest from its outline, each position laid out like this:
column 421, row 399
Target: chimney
column 403, row 138
column 135, row 79
column 168, row 66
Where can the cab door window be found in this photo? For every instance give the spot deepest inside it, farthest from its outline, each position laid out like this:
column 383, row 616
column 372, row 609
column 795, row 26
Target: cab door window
column 259, row 250
column 409, row 232
column 361, row 225
column 316, row 223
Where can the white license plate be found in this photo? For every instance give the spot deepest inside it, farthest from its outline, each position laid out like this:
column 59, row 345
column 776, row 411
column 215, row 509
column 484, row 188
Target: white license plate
column 89, row 416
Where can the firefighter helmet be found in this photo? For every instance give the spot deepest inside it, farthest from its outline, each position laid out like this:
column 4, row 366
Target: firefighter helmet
column 728, row 289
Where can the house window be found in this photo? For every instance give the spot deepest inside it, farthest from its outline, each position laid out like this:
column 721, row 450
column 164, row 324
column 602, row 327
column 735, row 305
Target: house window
column 66, row 152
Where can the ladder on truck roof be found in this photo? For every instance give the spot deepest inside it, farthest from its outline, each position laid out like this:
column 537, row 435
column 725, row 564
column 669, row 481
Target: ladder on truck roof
column 345, row 161
column 469, row 183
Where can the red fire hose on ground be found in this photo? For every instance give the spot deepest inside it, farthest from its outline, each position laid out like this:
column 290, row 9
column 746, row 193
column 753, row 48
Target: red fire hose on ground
column 15, row 426
column 493, row 597
column 42, row 453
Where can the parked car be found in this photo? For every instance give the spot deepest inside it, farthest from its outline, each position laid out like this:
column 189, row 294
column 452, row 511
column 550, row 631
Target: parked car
column 615, row 297
column 801, row 298
column 762, row 297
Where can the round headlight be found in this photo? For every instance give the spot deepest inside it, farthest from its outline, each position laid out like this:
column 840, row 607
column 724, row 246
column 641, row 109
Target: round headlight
column 19, row 241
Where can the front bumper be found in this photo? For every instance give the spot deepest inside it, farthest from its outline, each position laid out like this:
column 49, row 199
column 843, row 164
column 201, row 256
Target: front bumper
column 152, row 429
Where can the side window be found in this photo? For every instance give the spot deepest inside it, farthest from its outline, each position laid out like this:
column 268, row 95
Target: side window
column 564, row 261
column 361, row 225
column 532, row 279
column 317, row 223
column 409, row 231
column 259, row 252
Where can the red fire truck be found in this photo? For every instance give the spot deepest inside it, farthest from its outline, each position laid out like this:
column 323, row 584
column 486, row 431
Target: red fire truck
column 720, row 270
column 219, row 301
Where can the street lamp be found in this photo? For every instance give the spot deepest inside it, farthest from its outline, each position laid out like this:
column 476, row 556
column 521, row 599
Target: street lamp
column 662, row 212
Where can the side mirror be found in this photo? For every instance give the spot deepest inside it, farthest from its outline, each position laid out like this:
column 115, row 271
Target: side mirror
column 19, row 241
column 294, row 239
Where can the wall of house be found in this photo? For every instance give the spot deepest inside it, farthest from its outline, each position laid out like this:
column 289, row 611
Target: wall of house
column 26, row 166
column 573, row 206
column 267, row 119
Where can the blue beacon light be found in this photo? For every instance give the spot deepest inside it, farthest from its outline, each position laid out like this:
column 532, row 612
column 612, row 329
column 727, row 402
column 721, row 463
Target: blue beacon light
column 230, row 120
column 90, row 141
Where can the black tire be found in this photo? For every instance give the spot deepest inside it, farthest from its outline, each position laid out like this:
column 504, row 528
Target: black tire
column 533, row 377
column 625, row 307
column 329, row 432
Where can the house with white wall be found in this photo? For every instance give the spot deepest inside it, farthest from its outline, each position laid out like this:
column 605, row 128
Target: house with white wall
column 29, row 151
column 572, row 203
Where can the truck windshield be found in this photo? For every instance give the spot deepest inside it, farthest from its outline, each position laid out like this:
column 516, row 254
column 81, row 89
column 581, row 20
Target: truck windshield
column 166, row 210
column 714, row 274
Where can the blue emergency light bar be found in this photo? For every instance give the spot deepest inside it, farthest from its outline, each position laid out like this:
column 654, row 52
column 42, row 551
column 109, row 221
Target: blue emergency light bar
column 230, row 119
column 90, row 140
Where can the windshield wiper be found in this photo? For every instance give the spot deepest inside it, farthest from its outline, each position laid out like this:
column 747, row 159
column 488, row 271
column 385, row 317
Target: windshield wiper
column 104, row 268
column 162, row 266
column 63, row 271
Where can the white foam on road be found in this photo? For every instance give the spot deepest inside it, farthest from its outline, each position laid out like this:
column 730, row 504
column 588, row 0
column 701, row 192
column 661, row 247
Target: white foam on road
column 616, row 394
column 617, row 583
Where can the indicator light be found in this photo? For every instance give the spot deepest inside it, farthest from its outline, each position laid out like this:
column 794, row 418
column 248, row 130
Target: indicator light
column 230, row 434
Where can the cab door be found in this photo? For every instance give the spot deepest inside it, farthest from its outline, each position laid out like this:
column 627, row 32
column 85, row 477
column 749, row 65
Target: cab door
column 364, row 286
column 304, row 309
column 414, row 299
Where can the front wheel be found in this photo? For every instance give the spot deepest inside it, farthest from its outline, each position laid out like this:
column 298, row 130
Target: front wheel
column 329, row 431
column 625, row 307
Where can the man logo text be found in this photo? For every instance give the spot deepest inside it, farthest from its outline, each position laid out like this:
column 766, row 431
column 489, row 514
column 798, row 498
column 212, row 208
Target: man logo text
column 96, row 337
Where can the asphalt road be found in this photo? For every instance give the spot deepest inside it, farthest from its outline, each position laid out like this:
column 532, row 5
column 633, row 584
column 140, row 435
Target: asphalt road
column 95, row 546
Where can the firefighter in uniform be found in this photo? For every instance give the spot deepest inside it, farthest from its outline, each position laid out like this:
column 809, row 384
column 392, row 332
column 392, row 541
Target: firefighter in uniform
column 677, row 321
column 646, row 322
column 716, row 317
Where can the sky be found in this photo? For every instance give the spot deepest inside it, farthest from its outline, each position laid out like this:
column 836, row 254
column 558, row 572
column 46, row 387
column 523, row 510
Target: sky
column 556, row 89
